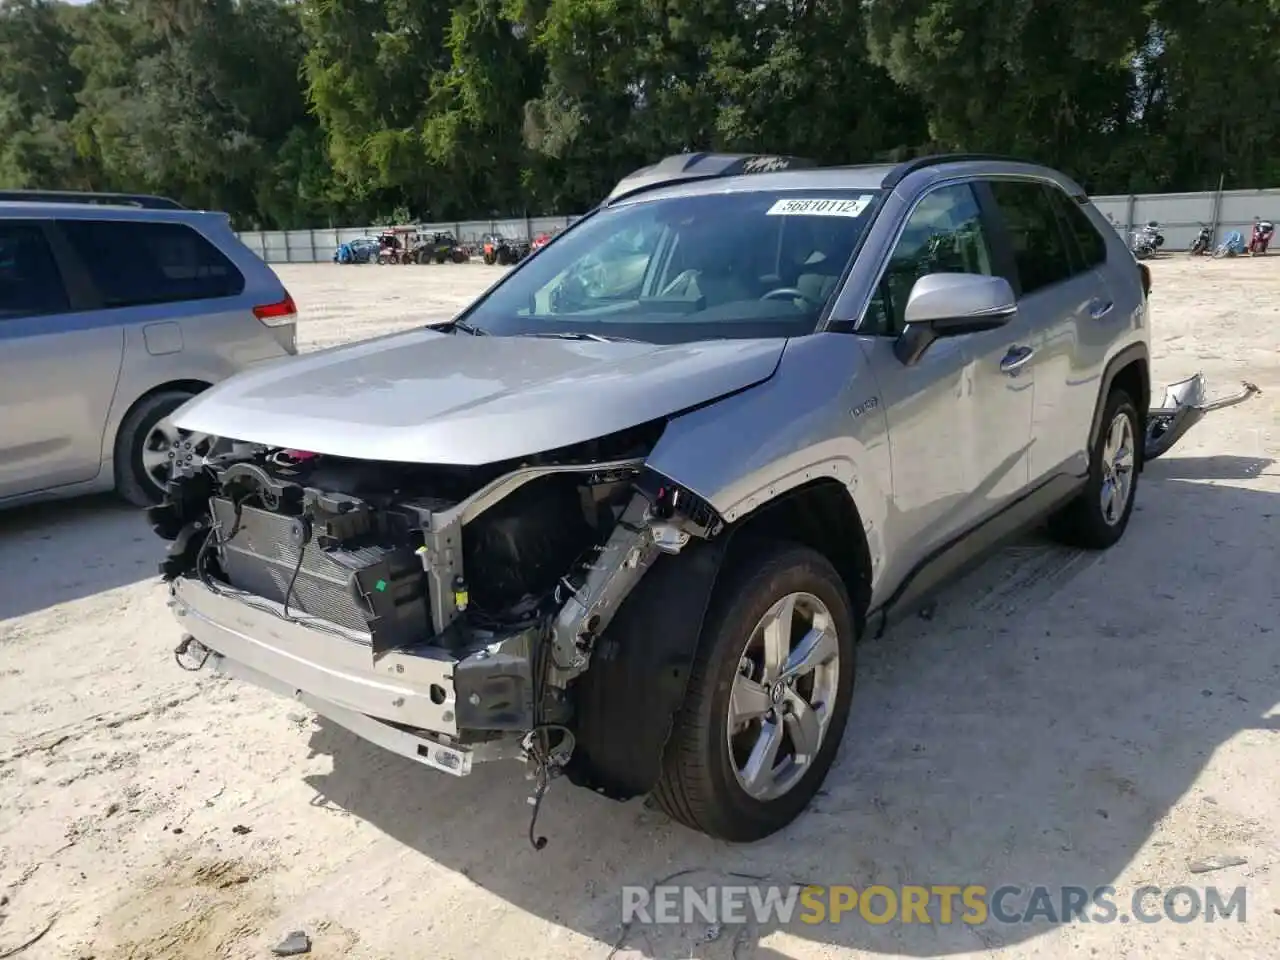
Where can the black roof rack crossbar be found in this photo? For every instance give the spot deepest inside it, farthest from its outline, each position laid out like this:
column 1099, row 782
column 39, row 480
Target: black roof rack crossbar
column 907, row 167
column 684, row 167
column 143, row 200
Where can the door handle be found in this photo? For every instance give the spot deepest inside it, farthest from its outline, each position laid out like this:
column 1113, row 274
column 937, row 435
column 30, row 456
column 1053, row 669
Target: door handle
column 1016, row 359
column 1100, row 308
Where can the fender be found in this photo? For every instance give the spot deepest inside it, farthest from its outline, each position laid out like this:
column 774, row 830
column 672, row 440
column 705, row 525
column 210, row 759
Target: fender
column 819, row 416
column 627, row 701
column 1125, row 356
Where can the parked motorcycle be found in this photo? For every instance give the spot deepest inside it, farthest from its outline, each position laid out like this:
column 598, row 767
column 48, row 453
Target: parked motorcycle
column 1146, row 241
column 1231, row 246
column 1203, row 242
column 1261, row 237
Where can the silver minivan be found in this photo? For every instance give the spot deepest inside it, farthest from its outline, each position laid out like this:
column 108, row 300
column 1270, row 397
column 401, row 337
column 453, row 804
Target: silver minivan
column 114, row 311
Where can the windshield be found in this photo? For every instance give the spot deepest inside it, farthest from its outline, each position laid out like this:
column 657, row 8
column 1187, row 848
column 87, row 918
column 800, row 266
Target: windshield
column 677, row 269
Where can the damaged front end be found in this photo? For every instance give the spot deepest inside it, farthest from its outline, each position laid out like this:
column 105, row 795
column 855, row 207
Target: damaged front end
column 1184, row 406
column 446, row 613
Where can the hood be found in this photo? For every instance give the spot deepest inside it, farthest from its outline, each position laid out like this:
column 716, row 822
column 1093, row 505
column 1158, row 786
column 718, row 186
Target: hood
column 451, row 398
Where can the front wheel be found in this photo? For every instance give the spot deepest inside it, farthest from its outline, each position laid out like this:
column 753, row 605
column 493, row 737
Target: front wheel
column 768, row 697
column 1098, row 517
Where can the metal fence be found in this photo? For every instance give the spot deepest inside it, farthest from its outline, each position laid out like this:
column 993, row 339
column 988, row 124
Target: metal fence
column 1180, row 216
column 318, row 246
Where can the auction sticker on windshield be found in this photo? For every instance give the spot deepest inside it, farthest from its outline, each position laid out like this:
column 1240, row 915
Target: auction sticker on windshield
column 821, row 207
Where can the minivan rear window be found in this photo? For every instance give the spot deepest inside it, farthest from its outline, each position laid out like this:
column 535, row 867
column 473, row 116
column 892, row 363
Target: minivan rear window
column 138, row 262
column 30, row 282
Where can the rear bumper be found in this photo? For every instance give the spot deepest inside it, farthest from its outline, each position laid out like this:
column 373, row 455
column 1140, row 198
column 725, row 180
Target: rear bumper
column 333, row 672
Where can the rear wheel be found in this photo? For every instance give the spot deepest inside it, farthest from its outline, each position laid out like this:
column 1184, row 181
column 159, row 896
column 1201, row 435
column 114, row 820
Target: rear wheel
column 768, row 697
column 150, row 450
column 1098, row 517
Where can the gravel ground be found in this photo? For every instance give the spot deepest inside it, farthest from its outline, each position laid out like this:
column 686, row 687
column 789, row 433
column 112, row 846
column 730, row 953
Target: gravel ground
column 1060, row 719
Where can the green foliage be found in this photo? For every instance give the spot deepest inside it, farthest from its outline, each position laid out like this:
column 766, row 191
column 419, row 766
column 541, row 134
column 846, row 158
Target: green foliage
column 290, row 113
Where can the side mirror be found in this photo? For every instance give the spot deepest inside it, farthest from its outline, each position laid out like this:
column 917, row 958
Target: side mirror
column 949, row 305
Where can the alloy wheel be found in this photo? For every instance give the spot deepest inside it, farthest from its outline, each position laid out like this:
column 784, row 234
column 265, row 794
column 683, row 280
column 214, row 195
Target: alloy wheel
column 783, row 695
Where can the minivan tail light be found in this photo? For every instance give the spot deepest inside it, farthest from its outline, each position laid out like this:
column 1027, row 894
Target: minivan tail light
column 277, row 314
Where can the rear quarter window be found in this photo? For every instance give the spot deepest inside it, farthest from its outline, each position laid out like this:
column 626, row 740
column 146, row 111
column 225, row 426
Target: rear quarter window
column 135, row 262
column 1090, row 245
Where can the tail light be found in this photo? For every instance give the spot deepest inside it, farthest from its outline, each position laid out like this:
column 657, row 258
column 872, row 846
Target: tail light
column 277, row 314
column 1146, row 279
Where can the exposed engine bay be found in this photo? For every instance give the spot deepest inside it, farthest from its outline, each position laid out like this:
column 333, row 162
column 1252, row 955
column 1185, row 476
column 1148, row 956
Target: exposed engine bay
column 507, row 573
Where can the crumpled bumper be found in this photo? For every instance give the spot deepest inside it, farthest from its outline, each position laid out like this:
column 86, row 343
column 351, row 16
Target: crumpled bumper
column 403, row 701
column 1184, row 406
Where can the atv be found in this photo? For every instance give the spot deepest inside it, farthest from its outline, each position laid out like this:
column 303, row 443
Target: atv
column 439, row 248
column 501, row 250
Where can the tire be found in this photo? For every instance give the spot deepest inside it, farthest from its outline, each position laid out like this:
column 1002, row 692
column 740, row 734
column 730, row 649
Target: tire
column 133, row 481
column 1084, row 522
column 699, row 785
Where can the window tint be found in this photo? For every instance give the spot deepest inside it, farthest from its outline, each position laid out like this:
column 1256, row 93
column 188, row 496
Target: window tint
column 30, row 282
column 1089, row 243
column 134, row 262
column 943, row 235
column 1040, row 249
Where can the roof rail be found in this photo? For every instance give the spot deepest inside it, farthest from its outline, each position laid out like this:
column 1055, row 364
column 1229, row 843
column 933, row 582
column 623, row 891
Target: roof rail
column 146, row 201
column 701, row 166
column 902, row 170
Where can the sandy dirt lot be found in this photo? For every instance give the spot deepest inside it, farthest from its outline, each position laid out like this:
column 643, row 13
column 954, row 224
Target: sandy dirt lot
column 1062, row 719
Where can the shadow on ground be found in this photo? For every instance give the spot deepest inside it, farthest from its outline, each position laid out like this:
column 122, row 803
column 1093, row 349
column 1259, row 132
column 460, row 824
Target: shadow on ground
column 66, row 550
column 1027, row 734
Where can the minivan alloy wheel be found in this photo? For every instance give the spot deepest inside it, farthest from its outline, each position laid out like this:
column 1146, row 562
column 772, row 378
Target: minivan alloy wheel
column 783, row 695
column 1117, row 468
column 168, row 451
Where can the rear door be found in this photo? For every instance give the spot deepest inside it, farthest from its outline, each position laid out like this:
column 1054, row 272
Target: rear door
column 1063, row 300
column 1109, row 316
column 59, row 365
column 187, row 309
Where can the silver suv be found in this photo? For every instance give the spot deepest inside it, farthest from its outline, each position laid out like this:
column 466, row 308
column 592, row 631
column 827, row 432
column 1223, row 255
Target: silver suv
column 625, row 517
column 115, row 309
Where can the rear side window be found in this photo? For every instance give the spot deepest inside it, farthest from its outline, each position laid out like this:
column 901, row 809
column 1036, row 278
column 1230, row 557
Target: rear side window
column 135, row 262
column 30, row 281
column 1040, row 249
column 1090, row 246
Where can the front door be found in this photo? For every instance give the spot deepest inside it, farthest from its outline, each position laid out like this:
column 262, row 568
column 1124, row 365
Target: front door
column 959, row 419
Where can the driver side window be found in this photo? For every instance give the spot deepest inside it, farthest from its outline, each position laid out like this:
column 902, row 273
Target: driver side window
column 944, row 234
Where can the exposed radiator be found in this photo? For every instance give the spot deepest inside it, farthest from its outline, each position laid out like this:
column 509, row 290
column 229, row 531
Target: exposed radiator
column 376, row 589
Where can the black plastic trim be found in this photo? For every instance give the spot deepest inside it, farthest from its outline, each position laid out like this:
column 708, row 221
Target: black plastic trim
column 1134, row 351
column 626, row 703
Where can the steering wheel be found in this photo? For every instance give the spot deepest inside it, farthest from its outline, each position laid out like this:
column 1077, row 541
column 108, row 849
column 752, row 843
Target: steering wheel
column 790, row 293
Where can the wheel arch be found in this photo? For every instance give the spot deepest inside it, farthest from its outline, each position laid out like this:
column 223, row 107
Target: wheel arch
column 112, row 438
column 640, row 667
column 1129, row 369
